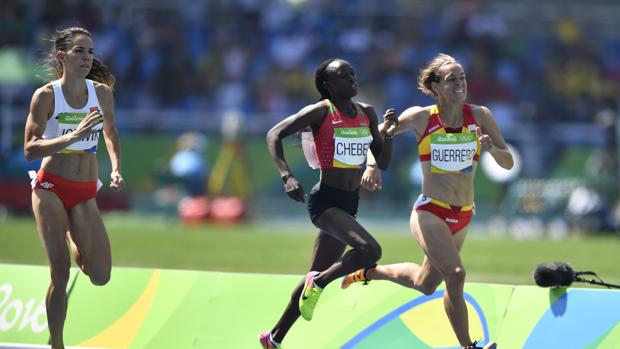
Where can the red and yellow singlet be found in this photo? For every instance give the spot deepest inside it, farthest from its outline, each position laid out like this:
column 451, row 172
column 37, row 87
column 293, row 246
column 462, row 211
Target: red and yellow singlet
column 450, row 150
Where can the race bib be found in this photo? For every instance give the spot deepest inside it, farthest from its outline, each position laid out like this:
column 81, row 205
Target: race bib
column 351, row 146
column 67, row 123
column 453, row 152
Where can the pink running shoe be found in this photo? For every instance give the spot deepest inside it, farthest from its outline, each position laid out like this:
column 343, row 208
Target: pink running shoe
column 266, row 341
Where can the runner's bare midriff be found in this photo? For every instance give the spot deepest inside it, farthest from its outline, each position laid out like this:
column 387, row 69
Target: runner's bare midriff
column 74, row 167
column 454, row 189
column 343, row 179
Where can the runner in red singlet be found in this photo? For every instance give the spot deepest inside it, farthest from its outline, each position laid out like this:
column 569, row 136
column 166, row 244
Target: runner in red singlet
column 342, row 133
column 450, row 136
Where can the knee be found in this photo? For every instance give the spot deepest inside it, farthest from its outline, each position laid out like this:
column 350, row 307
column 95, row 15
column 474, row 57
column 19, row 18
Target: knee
column 99, row 277
column 372, row 252
column 98, row 270
column 455, row 276
column 377, row 252
column 427, row 288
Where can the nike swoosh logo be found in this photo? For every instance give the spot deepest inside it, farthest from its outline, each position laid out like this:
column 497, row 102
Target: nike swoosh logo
column 334, row 122
column 303, row 293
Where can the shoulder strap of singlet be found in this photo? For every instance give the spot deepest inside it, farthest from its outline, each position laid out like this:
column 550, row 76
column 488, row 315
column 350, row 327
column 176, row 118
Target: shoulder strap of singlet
column 59, row 97
column 330, row 106
column 92, row 93
column 432, row 120
column 468, row 116
column 359, row 109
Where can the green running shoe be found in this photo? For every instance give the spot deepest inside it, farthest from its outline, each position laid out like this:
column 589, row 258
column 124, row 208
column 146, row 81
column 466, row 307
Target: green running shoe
column 309, row 296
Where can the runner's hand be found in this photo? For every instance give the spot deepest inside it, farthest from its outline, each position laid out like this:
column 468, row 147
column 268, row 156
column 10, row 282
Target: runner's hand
column 390, row 122
column 117, row 183
column 371, row 179
column 485, row 140
column 293, row 189
column 85, row 127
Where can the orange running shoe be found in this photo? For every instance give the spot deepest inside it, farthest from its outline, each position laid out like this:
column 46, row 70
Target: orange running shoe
column 358, row 276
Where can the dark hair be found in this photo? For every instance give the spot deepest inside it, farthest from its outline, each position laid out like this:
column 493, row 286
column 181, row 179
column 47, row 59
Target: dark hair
column 321, row 76
column 62, row 42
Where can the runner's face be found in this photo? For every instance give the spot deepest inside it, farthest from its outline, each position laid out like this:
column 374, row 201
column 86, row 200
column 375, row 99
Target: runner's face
column 79, row 57
column 452, row 84
column 341, row 79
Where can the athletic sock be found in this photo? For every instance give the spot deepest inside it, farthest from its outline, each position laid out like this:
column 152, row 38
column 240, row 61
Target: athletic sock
column 316, row 284
column 276, row 344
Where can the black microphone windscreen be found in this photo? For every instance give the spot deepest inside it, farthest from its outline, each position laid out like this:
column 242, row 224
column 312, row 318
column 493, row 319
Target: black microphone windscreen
column 554, row 274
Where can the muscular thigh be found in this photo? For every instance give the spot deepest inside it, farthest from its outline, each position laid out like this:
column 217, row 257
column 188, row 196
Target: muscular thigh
column 440, row 246
column 327, row 250
column 88, row 232
column 429, row 273
column 52, row 224
column 343, row 227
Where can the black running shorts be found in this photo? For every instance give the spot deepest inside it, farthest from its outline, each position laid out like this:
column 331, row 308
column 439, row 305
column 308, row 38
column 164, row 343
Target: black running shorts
column 323, row 197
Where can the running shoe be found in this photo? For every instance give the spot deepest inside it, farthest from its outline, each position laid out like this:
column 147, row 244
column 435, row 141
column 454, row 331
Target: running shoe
column 358, row 276
column 309, row 296
column 490, row 345
column 266, row 341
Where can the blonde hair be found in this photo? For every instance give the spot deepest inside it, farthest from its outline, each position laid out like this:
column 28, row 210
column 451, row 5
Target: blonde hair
column 428, row 74
column 62, row 42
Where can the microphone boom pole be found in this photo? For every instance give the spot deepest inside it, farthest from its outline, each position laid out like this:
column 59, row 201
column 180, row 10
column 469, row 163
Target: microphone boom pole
column 596, row 282
column 561, row 274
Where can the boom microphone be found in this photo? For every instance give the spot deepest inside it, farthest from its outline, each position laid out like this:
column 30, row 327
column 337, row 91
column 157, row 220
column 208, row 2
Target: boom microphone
column 555, row 274
column 561, row 274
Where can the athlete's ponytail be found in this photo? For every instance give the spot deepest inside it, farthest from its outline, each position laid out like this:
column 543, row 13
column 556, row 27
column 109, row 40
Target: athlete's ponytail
column 99, row 72
column 62, row 41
